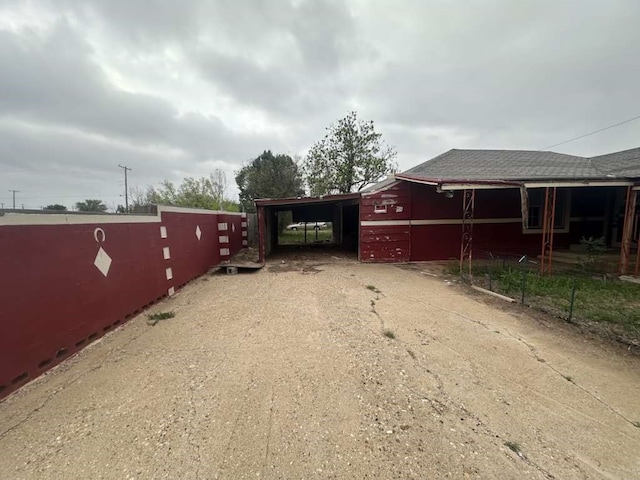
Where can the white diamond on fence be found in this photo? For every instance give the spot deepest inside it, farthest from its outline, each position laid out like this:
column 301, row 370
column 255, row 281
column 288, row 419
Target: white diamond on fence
column 233, row 227
column 198, row 232
column 102, row 262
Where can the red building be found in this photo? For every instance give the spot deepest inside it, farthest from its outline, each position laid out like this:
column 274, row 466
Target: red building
column 501, row 201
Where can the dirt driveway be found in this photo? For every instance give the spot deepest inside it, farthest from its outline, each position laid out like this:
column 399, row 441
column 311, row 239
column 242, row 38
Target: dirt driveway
column 286, row 373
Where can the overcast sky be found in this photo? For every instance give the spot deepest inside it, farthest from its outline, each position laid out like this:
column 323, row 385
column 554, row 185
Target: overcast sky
column 178, row 88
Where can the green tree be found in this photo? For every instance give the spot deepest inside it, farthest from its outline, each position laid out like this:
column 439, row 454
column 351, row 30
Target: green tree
column 349, row 157
column 205, row 192
column 268, row 176
column 56, row 206
column 91, row 205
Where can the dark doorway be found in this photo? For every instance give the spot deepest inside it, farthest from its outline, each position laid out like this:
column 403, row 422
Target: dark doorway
column 350, row 227
column 329, row 224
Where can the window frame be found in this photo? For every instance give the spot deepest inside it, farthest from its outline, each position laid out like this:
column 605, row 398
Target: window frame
column 564, row 196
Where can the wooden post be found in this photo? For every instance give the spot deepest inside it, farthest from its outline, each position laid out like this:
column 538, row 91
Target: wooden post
column 548, row 227
column 627, row 230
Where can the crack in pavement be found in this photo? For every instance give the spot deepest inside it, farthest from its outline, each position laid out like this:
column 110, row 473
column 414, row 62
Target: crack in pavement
column 533, row 352
column 267, row 450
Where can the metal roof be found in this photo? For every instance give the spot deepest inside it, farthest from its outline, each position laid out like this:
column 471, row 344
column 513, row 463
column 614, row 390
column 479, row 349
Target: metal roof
column 305, row 200
column 520, row 165
column 380, row 185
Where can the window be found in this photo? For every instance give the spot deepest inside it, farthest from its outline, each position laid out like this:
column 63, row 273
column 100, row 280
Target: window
column 536, row 209
column 379, row 208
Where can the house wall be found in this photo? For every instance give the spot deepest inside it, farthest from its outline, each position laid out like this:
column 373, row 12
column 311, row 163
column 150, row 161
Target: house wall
column 421, row 224
column 54, row 300
column 385, row 234
column 497, row 225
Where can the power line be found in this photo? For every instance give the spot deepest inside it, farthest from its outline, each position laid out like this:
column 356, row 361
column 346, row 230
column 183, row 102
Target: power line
column 592, row 133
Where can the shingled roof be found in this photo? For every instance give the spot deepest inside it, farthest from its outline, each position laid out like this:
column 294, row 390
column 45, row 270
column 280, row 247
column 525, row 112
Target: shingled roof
column 623, row 164
column 523, row 165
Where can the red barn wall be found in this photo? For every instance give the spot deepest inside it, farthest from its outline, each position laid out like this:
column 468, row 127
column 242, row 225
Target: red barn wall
column 385, row 235
column 54, row 300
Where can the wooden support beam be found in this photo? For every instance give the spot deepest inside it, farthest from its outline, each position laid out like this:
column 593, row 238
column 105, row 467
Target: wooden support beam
column 548, row 227
column 627, row 231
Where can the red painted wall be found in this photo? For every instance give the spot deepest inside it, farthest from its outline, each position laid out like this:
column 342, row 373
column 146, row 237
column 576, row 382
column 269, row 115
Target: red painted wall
column 54, row 300
column 442, row 242
column 390, row 243
column 397, row 198
column 385, row 243
column 412, row 241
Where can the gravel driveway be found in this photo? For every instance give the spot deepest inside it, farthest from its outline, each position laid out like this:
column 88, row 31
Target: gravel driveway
column 286, row 373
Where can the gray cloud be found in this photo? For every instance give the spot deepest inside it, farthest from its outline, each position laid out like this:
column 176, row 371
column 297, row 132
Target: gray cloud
column 179, row 88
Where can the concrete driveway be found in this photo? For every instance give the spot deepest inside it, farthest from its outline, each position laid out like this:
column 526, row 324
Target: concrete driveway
column 287, row 373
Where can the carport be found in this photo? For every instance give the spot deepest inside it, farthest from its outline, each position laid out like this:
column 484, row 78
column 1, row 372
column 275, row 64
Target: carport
column 341, row 210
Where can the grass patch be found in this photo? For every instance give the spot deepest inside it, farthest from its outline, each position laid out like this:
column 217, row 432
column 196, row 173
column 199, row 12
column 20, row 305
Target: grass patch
column 389, row 333
column 372, row 288
column 597, row 299
column 296, row 237
column 154, row 318
column 513, row 446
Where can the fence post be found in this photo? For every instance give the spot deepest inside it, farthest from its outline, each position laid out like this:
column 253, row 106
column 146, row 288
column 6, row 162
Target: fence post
column 491, row 263
column 523, row 262
column 573, row 298
column 491, row 275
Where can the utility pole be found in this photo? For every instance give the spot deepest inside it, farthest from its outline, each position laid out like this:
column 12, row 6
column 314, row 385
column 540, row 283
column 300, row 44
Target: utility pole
column 126, row 188
column 14, row 197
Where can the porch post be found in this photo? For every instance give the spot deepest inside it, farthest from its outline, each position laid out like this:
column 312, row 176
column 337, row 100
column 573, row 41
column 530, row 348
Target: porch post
column 627, row 230
column 262, row 237
column 548, row 227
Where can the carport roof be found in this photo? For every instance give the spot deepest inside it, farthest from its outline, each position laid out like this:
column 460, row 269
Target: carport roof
column 278, row 202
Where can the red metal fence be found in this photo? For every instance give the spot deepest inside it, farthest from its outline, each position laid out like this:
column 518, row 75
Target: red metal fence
column 66, row 280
